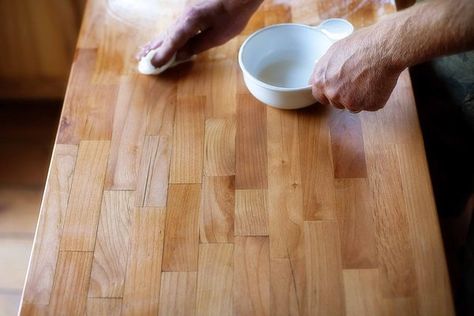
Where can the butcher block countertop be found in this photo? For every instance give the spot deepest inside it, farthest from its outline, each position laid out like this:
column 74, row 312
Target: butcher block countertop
column 182, row 194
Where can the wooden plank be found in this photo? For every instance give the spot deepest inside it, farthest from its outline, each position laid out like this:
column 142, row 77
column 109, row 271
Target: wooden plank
column 217, row 209
column 219, row 148
column 285, row 195
column 215, row 274
column 82, row 215
column 395, row 254
column 188, row 141
column 128, row 132
column 285, row 209
column 355, row 213
column 251, row 144
column 431, row 273
column 142, row 282
column 71, row 282
column 178, row 293
column 39, row 282
column 362, row 292
column 112, row 246
column 182, row 228
column 104, row 306
column 317, row 176
column 284, row 299
column 251, row 276
column 152, row 183
column 251, row 213
column 324, row 269
column 347, row 145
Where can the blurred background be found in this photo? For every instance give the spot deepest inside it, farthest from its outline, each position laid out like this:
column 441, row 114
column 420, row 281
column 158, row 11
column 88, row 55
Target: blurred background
column 37, row 47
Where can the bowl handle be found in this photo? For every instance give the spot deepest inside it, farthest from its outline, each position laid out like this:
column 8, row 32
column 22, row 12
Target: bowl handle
column 336, row 29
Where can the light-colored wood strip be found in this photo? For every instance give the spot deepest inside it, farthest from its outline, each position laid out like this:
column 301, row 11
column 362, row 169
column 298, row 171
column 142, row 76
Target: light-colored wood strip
column 128, row 132
column 277, row 13
column 403, row 306
column 215, row 279
column 104, row 306
column 161, row 96
column 251, row 213
column 323, row 269
column 152, row 183
column 434, row 290
column 285, row 196
column 355, row 213
column 77, row 95
column 285, row 202
column 221, row 100
column 142, row 282
column 178, row 293
column 284, row 300
column 182, row 228
column 112, row 50
column 71, row 282
column 113, row 245
column 395, row 254
column 316, row 164
column 347, row 145
column 362, row 292
column 217, row 209
column 39, row 282
column 188, row 140
column 219, row 155
column 83, row 210
column 251, row 276
column 251, row 144
column 28, row 309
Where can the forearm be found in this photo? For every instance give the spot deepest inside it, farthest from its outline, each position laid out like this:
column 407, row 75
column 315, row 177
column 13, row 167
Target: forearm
column 427, row 30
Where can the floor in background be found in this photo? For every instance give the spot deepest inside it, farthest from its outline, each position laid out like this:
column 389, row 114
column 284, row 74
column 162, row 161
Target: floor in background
column 27, row 134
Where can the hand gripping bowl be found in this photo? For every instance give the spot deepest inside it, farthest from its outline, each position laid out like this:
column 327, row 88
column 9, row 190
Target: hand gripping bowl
column 277, row 61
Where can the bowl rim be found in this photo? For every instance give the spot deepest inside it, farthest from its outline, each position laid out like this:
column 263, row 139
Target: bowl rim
column 259, row 82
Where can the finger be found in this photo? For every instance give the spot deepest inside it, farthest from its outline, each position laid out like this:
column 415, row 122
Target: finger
column 200, row 43
column 177, row 38
column 147, row 47
column 319, row 96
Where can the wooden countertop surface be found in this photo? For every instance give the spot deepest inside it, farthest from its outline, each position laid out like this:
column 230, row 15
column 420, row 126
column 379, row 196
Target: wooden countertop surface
column 182, row 194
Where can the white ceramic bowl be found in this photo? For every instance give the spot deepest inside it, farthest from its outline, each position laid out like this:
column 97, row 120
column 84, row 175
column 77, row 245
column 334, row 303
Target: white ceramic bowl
column 277, row 61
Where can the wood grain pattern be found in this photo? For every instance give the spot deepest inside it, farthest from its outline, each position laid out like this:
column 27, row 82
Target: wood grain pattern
column 219, row 157
column 104, row 306
column 324, row 272
column 250, row 143
column 142, row 282
column 251, row 213
column 252, row 276
column 182, row 236
column 71, row 282
column 217, row 209
column 152, row 185
column 188, row 140
column 181, row 194
column 39, row 282
column 355, row 213
column 82, row 216
column 111, row 254
column 316, row 161
column 178, row 293
column 215, row 279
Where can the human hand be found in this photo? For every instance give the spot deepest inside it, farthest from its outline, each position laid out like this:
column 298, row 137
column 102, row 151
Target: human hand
column 357, row 73
column 204, row 25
